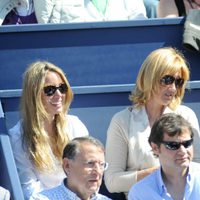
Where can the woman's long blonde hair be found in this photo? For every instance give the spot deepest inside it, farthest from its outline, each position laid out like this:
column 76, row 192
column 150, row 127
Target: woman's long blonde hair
column 161, row 62
column 33, row 114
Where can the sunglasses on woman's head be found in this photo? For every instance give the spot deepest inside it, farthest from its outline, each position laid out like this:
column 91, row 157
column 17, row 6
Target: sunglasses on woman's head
column 171, row 145
column 168, row 80
column 51, row 89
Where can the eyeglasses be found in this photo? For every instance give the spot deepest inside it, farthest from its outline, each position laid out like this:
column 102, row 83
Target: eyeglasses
column 168, row 80
column 176, row 145
column 91, row 164
column 51, row 89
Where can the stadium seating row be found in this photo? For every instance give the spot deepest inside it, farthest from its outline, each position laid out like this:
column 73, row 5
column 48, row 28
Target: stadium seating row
column 101, row 61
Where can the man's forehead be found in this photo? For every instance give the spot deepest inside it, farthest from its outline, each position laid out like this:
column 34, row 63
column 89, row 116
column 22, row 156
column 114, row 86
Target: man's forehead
column 184, row 132
column 86, row 149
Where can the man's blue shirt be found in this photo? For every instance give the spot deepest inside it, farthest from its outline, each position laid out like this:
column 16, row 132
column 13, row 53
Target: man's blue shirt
column 152, row 187
column 61, row 192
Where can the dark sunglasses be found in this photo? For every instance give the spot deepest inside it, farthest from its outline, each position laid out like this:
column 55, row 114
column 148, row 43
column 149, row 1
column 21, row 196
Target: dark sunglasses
column 51, row 89
column 168, row 80
column 176, row 145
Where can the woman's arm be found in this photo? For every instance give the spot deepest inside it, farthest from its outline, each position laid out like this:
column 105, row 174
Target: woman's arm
column 27, row 176
column 44, row 10
column 167, row 8
column 145, row 172
column 129, row 159
column 136, row 9
column 117, row 178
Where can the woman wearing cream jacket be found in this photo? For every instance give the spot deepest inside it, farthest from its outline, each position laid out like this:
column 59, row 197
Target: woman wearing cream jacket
column 160, row 88
column 64, row 11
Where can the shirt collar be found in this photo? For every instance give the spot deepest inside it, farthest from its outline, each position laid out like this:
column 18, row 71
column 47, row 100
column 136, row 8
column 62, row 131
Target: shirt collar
column 161, row 185
column 64, row 185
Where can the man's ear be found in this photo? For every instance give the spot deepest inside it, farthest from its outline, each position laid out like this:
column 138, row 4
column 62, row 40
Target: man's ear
column 66, row 165
column 155, row 148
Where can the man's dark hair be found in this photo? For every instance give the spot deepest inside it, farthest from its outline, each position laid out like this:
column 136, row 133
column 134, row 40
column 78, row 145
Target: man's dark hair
column 171, row 124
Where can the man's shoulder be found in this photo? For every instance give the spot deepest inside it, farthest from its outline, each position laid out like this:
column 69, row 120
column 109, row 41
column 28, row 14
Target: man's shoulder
column 56, row 193
column 148, row 184
column 148, row 181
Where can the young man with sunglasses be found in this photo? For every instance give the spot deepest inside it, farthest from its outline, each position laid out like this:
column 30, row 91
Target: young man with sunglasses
column 178, row 178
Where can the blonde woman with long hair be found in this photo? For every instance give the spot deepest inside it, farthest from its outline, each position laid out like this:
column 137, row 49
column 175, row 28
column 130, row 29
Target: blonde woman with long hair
column 160, row 87
column 39, row 138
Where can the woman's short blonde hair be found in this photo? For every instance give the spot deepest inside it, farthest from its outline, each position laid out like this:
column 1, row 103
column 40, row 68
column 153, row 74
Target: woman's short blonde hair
column 160, row 62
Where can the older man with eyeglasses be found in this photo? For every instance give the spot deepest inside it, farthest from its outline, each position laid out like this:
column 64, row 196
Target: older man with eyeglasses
column 84, row 164
column 178, row 178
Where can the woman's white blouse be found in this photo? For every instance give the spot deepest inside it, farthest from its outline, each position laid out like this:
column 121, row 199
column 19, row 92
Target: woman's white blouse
column 32, row 180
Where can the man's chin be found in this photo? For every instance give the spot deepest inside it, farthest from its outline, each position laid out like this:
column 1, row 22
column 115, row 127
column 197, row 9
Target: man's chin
column 93, row 188
column 184, row 163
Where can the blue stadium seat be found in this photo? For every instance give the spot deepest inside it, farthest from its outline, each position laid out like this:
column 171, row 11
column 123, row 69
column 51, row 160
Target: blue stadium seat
column 8, row 171
column 103, row 53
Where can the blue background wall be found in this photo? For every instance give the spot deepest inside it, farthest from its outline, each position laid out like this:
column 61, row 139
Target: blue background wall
column 90, row 53
column 101, row 61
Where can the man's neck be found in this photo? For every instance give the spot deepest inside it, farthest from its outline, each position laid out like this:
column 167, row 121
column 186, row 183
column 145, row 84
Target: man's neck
column 175, row 182
column 82, row 196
